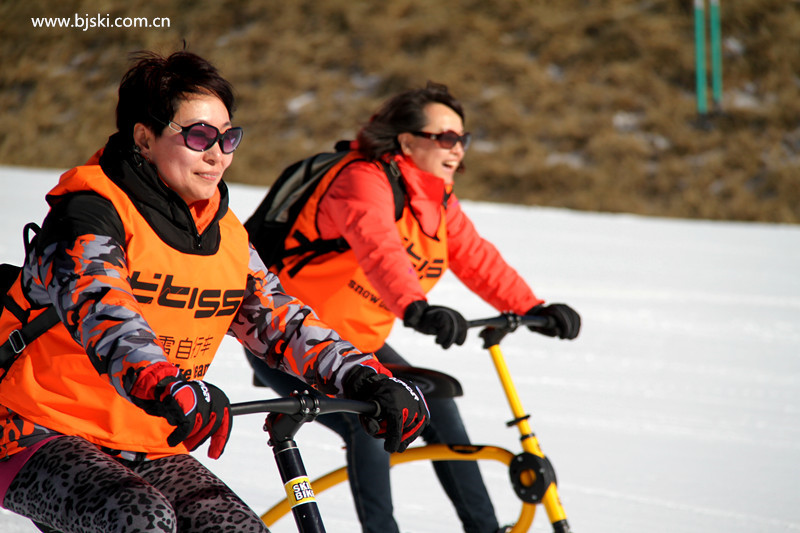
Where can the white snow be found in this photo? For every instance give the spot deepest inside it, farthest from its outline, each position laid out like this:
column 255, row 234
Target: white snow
column 676, row 410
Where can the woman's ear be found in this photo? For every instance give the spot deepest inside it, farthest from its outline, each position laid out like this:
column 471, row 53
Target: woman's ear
column 405, row 140
column 142, row 137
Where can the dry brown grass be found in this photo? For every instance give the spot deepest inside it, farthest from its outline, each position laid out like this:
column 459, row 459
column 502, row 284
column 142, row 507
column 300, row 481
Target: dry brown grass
column 583, row 104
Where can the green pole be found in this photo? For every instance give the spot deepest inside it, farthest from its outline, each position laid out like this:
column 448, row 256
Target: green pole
column 700, row 54
column 716, row 55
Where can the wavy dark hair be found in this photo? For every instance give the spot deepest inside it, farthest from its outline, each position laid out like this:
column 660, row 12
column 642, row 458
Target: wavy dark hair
column 153, row 88
column 404, row 112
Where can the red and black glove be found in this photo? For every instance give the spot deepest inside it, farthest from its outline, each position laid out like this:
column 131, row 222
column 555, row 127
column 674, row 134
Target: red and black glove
column 198, row 409
column 566, row 321
column 447, row 324
column 403, row 411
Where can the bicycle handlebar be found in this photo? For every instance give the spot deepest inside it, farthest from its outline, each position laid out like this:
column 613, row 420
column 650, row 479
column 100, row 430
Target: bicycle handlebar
column 512, row 321
column 305, row 404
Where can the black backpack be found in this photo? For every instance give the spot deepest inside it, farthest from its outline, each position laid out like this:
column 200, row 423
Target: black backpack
column 270, row 224
column 18, row 339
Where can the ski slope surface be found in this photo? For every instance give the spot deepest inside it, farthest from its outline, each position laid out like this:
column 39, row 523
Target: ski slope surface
column 677, row 409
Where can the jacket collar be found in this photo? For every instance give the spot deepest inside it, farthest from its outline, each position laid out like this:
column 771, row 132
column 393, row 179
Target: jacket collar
column 163, row 209
column 427, row 193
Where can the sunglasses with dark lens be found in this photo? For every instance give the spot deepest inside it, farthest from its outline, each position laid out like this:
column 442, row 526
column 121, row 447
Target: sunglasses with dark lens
column 446, row 139
column 201, row 137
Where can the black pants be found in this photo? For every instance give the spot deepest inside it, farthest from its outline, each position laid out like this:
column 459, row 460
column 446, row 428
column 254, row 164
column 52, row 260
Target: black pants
column 368, row 463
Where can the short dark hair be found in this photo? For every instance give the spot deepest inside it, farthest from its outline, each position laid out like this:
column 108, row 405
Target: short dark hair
column 404, row 112
column 153, row 88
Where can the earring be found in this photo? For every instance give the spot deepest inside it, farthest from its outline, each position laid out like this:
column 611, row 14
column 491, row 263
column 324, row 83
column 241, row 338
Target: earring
column 139, row 157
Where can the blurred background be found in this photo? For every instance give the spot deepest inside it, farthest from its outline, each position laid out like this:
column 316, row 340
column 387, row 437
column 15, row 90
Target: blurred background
column 588, row 105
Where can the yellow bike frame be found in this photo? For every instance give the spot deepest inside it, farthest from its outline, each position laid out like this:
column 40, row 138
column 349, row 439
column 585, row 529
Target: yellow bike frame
column 534, row 481
column 550, row 500
column 430, row 452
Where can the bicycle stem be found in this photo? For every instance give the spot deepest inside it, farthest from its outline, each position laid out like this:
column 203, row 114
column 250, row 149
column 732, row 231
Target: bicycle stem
column 282, row 428
column 286, row 415
column 298, row 487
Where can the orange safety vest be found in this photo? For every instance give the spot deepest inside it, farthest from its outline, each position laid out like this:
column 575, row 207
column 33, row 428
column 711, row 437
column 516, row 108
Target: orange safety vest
column 188, row 300
column 336, row 287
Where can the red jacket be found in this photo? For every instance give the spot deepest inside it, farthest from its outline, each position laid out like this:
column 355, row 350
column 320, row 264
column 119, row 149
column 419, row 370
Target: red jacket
column 396, row 266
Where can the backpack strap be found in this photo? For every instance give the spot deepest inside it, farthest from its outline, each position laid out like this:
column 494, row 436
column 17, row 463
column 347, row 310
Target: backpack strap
column 323, row 246
column 21, row 337
column 29, row 330
column 317, row 248
column 395, row 178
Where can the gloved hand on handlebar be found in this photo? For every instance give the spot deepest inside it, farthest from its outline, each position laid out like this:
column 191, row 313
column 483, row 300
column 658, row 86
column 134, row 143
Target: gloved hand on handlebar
column 403, row 411
column 447, row 324
column 198, row 409
column 566, row 321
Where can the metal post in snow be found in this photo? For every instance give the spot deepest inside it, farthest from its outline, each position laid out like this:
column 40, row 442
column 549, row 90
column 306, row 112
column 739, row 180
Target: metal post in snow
column 700, row 55
column 716, row 55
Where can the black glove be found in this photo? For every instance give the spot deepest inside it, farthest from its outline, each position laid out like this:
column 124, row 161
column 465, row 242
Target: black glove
column 447, row 324
column 198, row 409
column 567, row 323
column 403, row 411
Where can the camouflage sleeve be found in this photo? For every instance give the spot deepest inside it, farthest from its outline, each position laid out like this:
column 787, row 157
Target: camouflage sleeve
column 87, row 282
column 290, row 336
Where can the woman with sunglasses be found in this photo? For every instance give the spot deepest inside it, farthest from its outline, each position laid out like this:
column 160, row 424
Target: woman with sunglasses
column 148, row 269
column 389, row 268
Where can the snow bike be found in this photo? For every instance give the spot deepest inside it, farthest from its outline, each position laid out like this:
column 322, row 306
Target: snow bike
column 532, row 476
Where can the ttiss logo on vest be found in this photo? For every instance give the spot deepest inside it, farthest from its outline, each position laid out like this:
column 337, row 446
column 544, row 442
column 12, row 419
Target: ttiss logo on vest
column 164, row 291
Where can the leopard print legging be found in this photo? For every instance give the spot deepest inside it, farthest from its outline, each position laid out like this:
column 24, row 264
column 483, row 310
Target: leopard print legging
column 71, row 486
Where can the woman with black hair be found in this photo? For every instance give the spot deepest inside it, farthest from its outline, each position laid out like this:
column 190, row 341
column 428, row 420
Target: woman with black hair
column 388, row 268
column 148, row 269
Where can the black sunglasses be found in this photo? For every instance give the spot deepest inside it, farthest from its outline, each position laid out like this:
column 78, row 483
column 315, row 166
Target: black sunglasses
column 201, row 137
column 446, row 139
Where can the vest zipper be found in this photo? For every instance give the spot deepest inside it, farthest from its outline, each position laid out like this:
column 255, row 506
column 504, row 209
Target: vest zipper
column 198, row 238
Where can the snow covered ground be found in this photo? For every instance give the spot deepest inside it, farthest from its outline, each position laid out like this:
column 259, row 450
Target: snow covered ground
column 676, row 410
